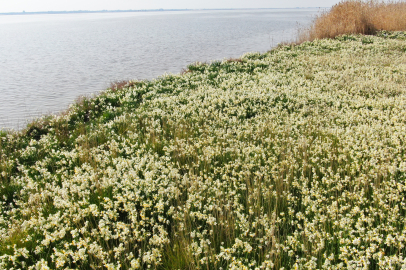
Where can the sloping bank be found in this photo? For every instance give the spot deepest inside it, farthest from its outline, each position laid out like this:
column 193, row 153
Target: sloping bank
column 292, row 158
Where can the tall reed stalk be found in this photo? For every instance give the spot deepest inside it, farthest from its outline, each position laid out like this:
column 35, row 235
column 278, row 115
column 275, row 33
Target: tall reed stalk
column 356, row 17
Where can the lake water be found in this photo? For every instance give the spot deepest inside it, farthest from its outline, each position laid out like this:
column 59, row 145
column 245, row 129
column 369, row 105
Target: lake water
column 48, row 61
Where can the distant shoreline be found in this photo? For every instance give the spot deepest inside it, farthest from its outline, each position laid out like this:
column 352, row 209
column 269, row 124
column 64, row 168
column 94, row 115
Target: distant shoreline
column 132, row 10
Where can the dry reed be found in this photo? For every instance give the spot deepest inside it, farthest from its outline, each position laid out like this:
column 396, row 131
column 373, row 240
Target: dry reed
column 357, row 17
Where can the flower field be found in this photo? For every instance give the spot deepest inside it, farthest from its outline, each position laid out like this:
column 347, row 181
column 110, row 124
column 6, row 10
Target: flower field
column 292, row 159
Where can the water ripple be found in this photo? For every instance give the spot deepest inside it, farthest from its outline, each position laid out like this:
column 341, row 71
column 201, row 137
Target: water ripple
column 47, row 61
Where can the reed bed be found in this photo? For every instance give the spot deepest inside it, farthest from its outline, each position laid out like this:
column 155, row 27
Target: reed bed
column 357, row 17
column 292, row 159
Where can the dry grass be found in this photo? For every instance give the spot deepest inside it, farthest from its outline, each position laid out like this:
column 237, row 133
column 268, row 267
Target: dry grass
column 357, row 17
column 119, row 85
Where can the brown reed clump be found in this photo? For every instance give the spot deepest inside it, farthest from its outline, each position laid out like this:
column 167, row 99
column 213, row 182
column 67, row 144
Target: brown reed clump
column 118, row 85
column 357, row 17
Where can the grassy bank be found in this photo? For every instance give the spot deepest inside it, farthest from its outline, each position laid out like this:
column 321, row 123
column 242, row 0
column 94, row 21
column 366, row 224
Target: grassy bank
column 294, row 158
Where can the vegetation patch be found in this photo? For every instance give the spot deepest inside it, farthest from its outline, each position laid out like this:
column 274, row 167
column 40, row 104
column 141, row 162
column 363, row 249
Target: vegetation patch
column 295, row 158
column 357, row 17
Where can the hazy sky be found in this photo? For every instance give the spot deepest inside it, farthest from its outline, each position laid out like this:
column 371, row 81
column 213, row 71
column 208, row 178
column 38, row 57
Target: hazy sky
column 59, row 5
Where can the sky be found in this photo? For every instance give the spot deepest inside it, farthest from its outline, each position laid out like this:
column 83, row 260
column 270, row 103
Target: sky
column 69, row 5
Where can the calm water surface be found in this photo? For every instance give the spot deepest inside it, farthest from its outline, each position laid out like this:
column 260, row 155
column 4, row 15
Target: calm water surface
column 48, row 61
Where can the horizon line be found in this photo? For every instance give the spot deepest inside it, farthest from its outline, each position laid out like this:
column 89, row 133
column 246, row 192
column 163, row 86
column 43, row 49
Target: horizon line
column 134, row 10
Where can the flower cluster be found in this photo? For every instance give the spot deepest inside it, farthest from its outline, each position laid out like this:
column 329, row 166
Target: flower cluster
column 292, row 159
